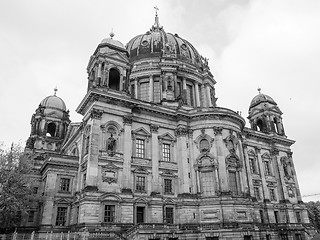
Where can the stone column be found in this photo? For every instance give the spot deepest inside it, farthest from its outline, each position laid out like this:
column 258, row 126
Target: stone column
column 175, row 85
column 155, row 158
column 244, row 179
column 151, row 88
column 107, row 78
column 265, row 189
column 221, row 160
column 127, row 153
column 204, row 104
column 93, row 153
column 279, row 174
column 248, row 171
column 136, row 88
column 184, row 89
column 208, row 96
column 196, row 88
column 295, row 177
column 99, row 73
column 121, row 82
column 182, row 156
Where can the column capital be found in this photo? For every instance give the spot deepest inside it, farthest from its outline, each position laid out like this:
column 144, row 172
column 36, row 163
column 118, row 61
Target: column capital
column 154, row 128
column 274, row 151
column 96, row 114
column 217, row 130
column 127, row 120
column 181, row 131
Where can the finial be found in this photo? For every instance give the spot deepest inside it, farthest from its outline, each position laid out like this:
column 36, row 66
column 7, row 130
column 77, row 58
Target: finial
column 156, row 21
column 259, row 90
column 111, row 34
column 55, row 91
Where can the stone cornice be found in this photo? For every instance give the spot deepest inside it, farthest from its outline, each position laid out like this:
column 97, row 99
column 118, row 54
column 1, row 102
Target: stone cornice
column 173, row 114
column 265, row 137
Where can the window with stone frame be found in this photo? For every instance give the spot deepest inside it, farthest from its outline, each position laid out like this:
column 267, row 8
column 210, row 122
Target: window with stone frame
column 272, row 194
column 207, row 183
column 140, row 148
column 141, row 143
column 168, row 215
column 190, row 100
column 166, row 152
column 31, row 214
column 109, row 213
column 253, row 165
column 267, row 164
column 166, row 143
column 298, row 217
column 256, row 190
column 233, row 183
column 140, row 183
column 61, row 218
column 65, row 184
column 167, row 185
column 267, row 168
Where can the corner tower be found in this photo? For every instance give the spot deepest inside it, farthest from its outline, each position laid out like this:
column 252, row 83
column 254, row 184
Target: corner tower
column 49, row 124
column 265, row 115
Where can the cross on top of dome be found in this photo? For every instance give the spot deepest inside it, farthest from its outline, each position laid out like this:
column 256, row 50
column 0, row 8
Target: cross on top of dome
column 156, row 24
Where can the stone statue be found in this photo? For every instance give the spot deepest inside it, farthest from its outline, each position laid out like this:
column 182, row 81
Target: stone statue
column 111, row 143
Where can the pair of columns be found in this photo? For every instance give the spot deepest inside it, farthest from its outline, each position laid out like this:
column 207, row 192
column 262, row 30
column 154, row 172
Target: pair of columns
column 205, row 91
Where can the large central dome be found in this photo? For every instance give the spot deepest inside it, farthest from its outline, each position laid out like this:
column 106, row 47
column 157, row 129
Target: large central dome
column 157, row 43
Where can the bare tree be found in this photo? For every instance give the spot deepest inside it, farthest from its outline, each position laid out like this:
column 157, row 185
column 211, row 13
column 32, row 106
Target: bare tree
column 17, row 186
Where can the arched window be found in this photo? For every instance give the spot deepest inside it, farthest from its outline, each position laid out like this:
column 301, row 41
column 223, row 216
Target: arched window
column 276, row 125
column 260, row 125
column 114, row 79
column 51, row 129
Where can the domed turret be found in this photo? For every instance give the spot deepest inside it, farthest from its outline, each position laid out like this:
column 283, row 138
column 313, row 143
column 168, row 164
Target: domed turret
column 49, row 124
column 265, row 115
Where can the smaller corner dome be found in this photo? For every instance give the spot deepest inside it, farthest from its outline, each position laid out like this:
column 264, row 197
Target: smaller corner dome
column 261, row 98
column 112, row 43
column 53, row 102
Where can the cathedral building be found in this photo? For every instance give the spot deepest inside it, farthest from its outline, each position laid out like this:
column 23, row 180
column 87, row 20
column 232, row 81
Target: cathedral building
column 155, row 157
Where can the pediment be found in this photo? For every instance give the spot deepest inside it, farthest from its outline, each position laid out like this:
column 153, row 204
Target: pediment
column 110, row 197
column 141, row 131
column 266, row 155
column 141, row 200
column 251, row 152
column 167, row 136
column 62, row 201
column 140, row 170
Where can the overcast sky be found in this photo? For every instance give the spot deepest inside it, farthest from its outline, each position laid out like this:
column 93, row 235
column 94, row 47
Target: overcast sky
column 272, row 44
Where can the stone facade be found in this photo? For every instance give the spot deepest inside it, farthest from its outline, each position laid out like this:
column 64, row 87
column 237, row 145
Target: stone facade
column 156, row 158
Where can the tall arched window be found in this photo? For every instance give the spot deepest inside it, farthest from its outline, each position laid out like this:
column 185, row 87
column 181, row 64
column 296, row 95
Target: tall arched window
column 114, row 79
column 51, row 129
column 260, row 125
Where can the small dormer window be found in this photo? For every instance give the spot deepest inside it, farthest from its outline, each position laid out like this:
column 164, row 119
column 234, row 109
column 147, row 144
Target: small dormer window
column 114, row 79
column 51, row 129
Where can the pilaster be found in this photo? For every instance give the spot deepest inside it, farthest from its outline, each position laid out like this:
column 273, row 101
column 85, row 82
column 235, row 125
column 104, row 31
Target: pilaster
column 182, row 156
column 151, row 88
column 155, row 158
column 265, row 189
column 221, row 159
column 127, row 152
column 196, row 88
